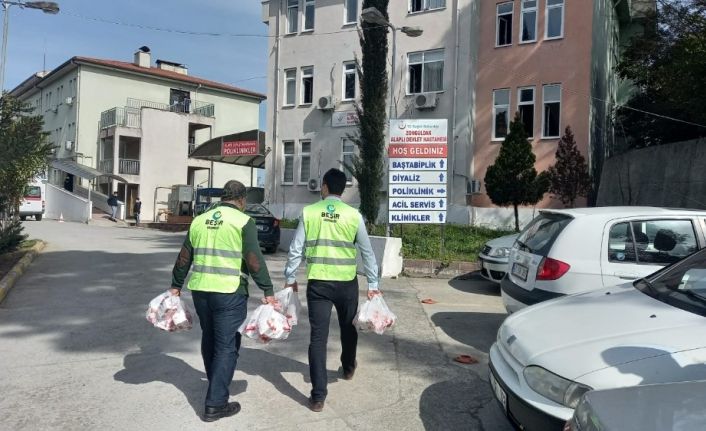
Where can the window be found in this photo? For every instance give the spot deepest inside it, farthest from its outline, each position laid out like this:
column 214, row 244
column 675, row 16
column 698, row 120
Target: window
column 426, row 71
column 655, row 242
column 349, row 72
column 554, row 19
column 347, row 156
column 288, row 171
column 307, row 85
column 422, row 5
column 350, row 12
column 551, row 117
column 292, row 16
column 305, row 162
column 528, row 26
column 309, row 10
column 290, row 85
column 525, row 107
column 504, row 24
column 501, row 113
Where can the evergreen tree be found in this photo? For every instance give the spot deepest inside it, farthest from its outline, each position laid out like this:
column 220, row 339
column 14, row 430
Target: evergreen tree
column 569, row 178
column 512, row 179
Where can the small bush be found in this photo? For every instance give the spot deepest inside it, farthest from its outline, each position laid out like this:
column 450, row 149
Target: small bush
column 11, row 235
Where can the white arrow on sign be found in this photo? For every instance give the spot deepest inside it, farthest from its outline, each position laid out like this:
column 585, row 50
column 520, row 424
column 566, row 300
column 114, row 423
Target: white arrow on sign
column 417, row 204
column 417, row 164
column 417, row 177
column 417, row 217
column 419, row 191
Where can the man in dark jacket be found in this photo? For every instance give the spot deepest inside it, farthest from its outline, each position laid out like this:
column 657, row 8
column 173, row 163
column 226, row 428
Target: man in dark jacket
column 113, row 204
column 136, row 209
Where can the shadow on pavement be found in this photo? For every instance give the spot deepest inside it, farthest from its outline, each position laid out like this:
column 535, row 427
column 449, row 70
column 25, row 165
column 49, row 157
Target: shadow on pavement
column 474, row 283
column 448, row 405
column 477, row 330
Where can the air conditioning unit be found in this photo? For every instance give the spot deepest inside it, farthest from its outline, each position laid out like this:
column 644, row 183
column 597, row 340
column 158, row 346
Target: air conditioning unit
column 313, row 185
column 326, row 103
column 69, row 101
column 473, row 187
column 425, row 101
column 69, row 145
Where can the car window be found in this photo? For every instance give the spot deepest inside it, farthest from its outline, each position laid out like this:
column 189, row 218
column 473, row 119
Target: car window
column 540, row 234
column 663, row 242
column 621, row 248
column 682, row 285
column 33, row 192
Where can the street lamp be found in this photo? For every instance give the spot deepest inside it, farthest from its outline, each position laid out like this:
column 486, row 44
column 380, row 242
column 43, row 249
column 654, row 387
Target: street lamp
column 48, row 7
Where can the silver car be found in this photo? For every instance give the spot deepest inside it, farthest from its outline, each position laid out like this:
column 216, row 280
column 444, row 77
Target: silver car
column 494, row 257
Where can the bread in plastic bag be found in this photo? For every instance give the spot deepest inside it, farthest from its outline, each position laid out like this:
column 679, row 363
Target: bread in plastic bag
column 266, row 324
column 168, row 312
column 375, row 315
column 289, row 300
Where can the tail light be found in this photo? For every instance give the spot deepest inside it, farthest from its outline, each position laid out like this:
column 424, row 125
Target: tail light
column 552, row 269
column 275, row 223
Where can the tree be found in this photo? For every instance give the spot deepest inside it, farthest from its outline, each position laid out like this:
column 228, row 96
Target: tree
column 569, row 178
column 512, row 179
column 368, row 166
column 667, row 65
column 23, row 155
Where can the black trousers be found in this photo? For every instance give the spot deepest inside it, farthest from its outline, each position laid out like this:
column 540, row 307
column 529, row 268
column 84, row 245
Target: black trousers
column 320, row 297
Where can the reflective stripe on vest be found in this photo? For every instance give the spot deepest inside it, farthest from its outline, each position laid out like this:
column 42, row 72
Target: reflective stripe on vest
column 217, row 239
column 330, row 227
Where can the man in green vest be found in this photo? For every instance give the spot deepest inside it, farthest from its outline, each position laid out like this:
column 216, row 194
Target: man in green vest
column 223, row 248
column 329, row 236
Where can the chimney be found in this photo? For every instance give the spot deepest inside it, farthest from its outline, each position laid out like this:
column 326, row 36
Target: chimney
column 172, row 67
column 143, row 57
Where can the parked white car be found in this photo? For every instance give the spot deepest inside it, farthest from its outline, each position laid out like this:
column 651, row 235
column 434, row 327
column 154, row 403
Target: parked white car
column 562, row 252
column 494, row 257
column 33, row 203
column 546, row 357
column 667, row 407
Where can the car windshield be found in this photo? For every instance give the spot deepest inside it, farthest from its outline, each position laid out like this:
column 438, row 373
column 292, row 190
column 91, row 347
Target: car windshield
column 682, row 284
column 256, row 209
column 33, row 192
column 539, row 236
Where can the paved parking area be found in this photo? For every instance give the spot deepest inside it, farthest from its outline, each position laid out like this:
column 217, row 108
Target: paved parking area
column 78, row 353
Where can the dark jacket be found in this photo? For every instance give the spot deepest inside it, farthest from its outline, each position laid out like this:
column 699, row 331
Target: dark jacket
column 137, row 207
column 113, row 201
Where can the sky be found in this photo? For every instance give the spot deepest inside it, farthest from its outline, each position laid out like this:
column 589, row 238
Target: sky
column 78, row 30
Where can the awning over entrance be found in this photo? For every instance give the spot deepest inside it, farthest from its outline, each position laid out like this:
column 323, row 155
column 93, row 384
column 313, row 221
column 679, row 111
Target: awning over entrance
column 244, row 149
column 83, row 171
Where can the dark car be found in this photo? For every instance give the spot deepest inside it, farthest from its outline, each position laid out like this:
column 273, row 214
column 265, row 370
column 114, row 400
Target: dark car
column 267, row 226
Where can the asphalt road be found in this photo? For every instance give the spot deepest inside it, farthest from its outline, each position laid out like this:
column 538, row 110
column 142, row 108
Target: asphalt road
column 77, row 352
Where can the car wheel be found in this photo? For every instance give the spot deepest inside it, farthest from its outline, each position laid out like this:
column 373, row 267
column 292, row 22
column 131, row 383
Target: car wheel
column 38, row 217
column 23, row 218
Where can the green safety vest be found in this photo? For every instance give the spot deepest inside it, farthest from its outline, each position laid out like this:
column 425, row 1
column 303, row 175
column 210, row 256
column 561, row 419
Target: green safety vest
column 331, row 227
column 217, row 239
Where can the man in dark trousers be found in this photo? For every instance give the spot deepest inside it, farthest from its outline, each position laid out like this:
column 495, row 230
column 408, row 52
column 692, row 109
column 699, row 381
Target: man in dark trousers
column 113, row 204
column 136, row 210
column 223, row 247
column 330, row 235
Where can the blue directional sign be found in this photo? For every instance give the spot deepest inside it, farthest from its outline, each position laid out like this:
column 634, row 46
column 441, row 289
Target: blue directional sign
column 417, row 177
column 418, row 217
column 417, row 204
column 418, row 164
column 418, row 190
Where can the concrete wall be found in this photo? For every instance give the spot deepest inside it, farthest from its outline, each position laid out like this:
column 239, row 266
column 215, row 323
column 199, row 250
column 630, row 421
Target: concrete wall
column 59, row 203
column 100, row 201
column 667, row 175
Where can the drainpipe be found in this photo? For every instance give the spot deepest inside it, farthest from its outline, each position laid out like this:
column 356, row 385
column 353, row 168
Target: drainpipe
column 451, row 176
column 275, row 109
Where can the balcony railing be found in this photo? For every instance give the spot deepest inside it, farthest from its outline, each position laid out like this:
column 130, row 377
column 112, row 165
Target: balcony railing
column 123, row 117
column 129, row 166
column 188, row 106
column 106, row 166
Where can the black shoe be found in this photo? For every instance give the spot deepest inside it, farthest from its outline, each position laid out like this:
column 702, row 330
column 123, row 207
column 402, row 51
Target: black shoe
column 316, row 406
column 212, row 414
column 348, row 375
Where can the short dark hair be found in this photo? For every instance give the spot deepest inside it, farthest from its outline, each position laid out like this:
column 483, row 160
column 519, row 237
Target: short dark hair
column 233, row 190
column 335, row 180
column 115, row 193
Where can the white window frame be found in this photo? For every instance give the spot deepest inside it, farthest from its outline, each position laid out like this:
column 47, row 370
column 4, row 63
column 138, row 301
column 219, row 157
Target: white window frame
column 286, row 156
column 544, row 102
column 288, row 15
column 346, row 9
column 497, row 22
column 345, row 73
column 546, row 19
column 300, row 158
column 533, row 103
column 305, row 23
column 287, row 80
column 343, row 158
column 425, row 7
column 423, row 62
column 524, row 10
column 495, row 107
column 304, row 74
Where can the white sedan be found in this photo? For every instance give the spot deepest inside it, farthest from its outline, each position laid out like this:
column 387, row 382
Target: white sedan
column 494, row 257
column 547, row 356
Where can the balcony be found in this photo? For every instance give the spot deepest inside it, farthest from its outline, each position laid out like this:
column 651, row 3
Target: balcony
column 121, row 117
column 106, row 166
column 188, row 106
column 129, row 167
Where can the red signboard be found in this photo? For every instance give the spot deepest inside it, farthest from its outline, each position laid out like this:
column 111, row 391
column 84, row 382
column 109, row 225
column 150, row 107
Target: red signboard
column 417, row 151
column 239, row 148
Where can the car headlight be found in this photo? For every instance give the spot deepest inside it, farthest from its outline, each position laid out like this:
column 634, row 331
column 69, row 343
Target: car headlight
column 556, row 388
column 500, row 252
column 584, row 419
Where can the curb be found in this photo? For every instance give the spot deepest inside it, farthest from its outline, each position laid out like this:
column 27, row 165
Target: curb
column 437, row 269
column 9, row 280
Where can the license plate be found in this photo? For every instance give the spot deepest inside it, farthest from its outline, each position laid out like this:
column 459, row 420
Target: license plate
column 498, row 391
column 261, row 227
column 519, row 271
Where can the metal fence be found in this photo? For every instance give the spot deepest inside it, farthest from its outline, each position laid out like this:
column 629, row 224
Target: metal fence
column 129, row 166
column 123, row 117
column 187, row 106
column 106, row 166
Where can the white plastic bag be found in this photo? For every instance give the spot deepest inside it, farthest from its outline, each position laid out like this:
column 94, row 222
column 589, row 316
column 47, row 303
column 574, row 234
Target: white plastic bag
column 375, row 315
column 266, row 324
column 289, row 300
column 168, row 312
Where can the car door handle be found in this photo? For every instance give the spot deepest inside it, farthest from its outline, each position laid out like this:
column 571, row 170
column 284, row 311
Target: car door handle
column 626, row 275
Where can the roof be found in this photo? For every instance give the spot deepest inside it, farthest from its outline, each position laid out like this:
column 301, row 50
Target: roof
column 244, row 149
column 82, row 171
column 622, row 211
